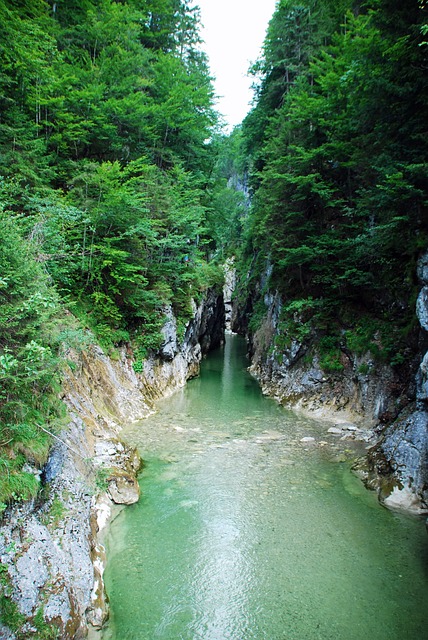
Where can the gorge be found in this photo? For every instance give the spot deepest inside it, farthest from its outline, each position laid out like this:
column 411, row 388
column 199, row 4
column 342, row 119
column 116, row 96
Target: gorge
column 251, row 525
column 53, row 549
column 133, row 233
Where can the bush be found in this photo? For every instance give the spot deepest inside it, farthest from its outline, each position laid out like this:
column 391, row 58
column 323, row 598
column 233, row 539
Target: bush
column 330, row 354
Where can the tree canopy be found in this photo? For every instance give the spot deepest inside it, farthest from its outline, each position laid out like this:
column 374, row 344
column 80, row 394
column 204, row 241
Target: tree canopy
column 337, row 144
column 106, row 160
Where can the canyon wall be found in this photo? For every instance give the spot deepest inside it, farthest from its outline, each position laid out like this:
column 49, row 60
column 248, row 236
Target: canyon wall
column 362, row 391
column 51, row 558
column 399, row 462
column 388, row 402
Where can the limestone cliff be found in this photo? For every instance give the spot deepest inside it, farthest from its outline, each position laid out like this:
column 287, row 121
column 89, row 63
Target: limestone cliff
column 400, row 460
column 363, row 391
column 50, row 552
column 367, row 392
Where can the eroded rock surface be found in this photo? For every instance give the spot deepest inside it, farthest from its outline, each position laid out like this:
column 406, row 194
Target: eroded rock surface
column 402, row 452
column 51, row 551
column 367, row 393
column 300, row 383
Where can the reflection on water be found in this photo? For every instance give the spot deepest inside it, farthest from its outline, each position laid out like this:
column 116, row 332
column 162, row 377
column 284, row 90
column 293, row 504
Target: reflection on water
column 245, row 533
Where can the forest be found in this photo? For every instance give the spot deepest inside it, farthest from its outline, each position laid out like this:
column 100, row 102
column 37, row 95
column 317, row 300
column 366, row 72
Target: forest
column 108, row 141
column 120, row 195
column 336, row 157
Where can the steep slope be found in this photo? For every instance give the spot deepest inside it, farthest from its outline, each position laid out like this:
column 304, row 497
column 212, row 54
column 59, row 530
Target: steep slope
column 51, row 556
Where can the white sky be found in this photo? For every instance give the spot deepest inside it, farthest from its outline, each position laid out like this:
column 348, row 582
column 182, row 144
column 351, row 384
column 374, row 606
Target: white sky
column 234, row 31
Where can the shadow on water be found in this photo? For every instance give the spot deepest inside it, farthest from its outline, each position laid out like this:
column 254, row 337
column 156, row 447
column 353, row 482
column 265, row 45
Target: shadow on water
column 243, row 532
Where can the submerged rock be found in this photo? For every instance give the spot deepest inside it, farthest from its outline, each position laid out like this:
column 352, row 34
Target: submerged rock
column 404, row 499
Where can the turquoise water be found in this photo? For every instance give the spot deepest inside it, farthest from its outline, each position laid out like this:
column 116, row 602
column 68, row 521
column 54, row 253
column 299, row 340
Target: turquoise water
column 245, row 533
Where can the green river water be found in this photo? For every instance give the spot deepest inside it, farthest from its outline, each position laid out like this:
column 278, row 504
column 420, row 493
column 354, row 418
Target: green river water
column 245, row 533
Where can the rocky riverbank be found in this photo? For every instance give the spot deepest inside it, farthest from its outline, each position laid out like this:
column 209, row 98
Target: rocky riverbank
column 51, row 558
column 399, row 462
column 360, row 392
column 391, row 408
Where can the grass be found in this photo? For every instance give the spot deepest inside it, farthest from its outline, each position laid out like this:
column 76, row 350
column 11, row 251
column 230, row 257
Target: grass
column 55, row 513
column 16, row 484
column 9, row 612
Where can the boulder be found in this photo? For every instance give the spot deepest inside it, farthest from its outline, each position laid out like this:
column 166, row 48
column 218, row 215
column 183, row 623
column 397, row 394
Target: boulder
column 422, row 307
column 404, row 499
column 123, row 488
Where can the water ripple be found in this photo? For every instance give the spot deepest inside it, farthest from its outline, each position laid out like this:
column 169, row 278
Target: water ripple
column 243, row 533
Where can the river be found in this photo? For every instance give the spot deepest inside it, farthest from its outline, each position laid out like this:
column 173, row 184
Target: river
column 243, row 532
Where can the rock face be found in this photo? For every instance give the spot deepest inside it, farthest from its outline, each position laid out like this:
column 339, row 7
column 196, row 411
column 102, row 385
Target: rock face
column 403, row 482
column 50, row 550
column 422, row 301
column 402, row 453
column 362, row 392
column 228, row 290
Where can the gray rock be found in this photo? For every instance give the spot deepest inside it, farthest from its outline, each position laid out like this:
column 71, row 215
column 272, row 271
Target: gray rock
column 228, row 289
column 422, row 268
column 58, row 604
column 347, row 426
column 6, row 634
column 54, row 464
column 169, row 347
column 405, row 446
column 422, row 307
column 422, row 380
column 123, row 489
column 337, row 431
column 312, row 377
column 31, row 572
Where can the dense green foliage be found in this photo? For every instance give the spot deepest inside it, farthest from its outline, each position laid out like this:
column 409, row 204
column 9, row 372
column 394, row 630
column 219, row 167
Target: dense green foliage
column 337, row 139
column 229, row 201
column 106, row 195
column 27, row 364
column 117, row 191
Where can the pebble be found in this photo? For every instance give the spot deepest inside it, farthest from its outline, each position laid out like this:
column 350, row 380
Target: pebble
column 335, row 431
